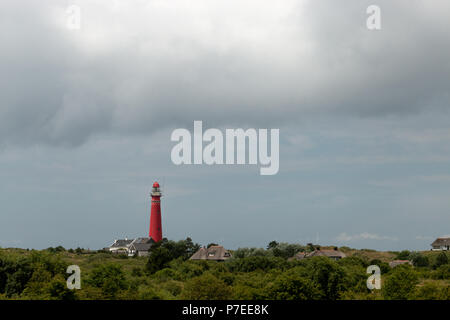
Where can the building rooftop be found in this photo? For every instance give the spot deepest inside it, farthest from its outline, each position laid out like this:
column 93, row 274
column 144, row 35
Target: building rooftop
column 441, row 242
column 217, row 253
column 327, row 253
column 121, row 243
column 142, row 244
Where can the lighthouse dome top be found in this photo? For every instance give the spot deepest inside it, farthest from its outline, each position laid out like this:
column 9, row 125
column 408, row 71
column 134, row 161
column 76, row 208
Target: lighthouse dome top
column 156, row 185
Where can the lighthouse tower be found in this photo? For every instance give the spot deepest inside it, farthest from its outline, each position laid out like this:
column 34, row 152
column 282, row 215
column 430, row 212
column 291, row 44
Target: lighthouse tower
column 155, row 216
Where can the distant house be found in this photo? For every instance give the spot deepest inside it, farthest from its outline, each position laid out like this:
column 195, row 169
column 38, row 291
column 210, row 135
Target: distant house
column 441, row 244
column 120, row 246
column 395, row 263
column 214, row 253
column 132, row 247
column 334, row 254
column 140, row 247
column 299, row 256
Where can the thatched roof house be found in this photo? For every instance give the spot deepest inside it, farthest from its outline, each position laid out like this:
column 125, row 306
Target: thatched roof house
column 441, row 244
column 334, row 254
column 214, row 253
column 120, row 246
column 140, row 247
column 395, row 263
column 132, row 247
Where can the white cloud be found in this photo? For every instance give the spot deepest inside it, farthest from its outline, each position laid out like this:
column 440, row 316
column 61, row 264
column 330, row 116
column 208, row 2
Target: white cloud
column 148, row 65
column 424, row 238
column 363, row 236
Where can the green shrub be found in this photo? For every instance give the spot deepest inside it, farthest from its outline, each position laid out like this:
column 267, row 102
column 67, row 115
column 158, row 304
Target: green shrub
column 249, row 264
column 329, row 276
column 403, row 255
column 431, row 291
column 400, row 283
column 164, row 251
column 419, row 260
column 292, row 285
column 443, row 272
column 206, row 287
column 109, row 277
column 441, row 260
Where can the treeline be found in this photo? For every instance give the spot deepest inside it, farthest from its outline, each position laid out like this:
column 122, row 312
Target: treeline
column 34, row 275
column 252, row 273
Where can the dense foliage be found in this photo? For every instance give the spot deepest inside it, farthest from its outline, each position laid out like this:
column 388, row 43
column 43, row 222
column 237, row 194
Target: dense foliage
column 252, row 273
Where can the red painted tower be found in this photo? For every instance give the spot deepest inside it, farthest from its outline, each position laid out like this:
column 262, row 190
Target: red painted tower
column 155, row 216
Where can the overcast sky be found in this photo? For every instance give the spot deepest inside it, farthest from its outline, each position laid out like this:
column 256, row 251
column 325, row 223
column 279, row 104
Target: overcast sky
column 86, row 117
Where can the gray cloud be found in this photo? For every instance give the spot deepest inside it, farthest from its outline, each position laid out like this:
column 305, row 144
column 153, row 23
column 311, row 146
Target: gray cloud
column 344, row 237
column 136, row 68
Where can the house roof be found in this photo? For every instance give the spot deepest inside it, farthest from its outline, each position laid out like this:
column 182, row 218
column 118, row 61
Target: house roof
column 395, row 263
column 121, row 243
column 441, row 242
column 300, row 255
column 327, row 253
column 143, row 241
column 142, row 244
column 211, row 253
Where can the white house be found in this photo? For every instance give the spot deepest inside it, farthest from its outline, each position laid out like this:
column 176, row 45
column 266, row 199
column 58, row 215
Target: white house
column 140, row 247
column 120, row 246
column 441, row 244
column 132, row 247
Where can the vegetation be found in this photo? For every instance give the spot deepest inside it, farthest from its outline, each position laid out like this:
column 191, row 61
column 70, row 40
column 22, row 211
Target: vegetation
column 252, row 273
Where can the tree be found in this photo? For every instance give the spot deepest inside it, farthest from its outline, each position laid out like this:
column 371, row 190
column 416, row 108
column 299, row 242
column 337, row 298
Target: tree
column 419, row 260
column 164, row 251
column 441, row 260
column 248, row 252
column 384, row 266
column 443, row 272
column 292, row 286
column 58, row 290
column 14, row 275
column 36, row 287
column 252, row 263
column 310, row 247
column 329, row 276
column 56, row 250
column 286, row 250
column 206, row 287
column 430, row 291
column 403, row 255
column 190, row 248
column 158, row 259
column 17, row 281
column 109, row 277
column 272, row 245
column 400, row 284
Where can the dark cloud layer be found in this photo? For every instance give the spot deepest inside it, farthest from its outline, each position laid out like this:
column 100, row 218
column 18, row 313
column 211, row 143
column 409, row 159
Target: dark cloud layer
column 363, row 115
column 136, row 68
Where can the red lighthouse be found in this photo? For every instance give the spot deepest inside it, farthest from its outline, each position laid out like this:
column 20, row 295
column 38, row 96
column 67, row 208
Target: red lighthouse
column 155, row 216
